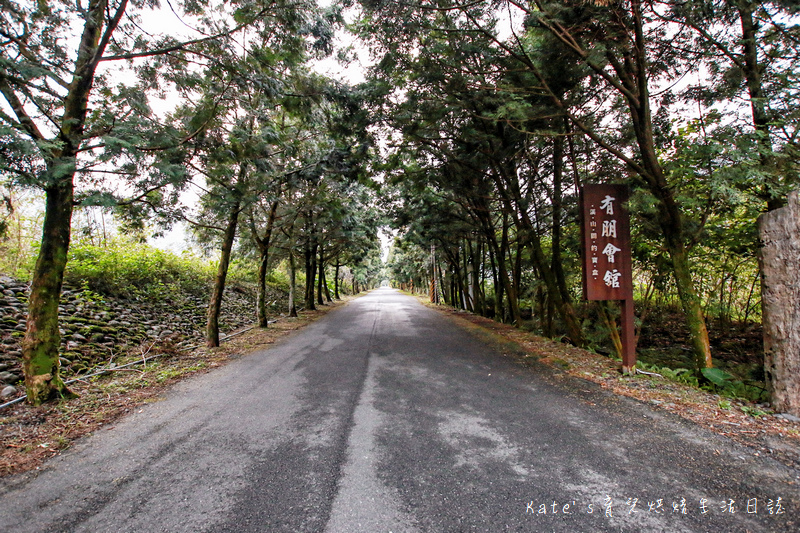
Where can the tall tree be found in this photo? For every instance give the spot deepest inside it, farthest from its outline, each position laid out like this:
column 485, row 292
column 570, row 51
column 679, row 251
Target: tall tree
column 56, row 65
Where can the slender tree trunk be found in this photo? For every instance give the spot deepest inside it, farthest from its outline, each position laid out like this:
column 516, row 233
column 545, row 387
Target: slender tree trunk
column 263, row 248
column 336, row 280
column 42, row 338
column 498, row 287
column 472, row 277
column 215, row 304
column 518, row 268
column 310, row 263
column 558, row 174
column 261, row 300
column 505, row 279
column 481, row 287
column 321, row 275
column 442, row 284
column 753, row 76
column 308, row 298
column 292, row 284
column 325, row 286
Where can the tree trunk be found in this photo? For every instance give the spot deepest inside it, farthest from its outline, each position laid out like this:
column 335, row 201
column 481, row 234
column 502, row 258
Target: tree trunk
column 325, row 286
column 669, row 214
column 261, row 300
column 42, row 338
column 505, row 279
column 310, row 251
column 214, row 306
column 263, row 248
column 292, row 284
column 558, row 173
column 321, row 275
column 498, row 287
column 753, row 73
column 336, row 280
column 40, row 362
column 511, row 195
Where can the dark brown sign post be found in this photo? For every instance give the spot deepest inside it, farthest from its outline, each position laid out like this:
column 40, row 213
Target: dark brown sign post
column 607, row 256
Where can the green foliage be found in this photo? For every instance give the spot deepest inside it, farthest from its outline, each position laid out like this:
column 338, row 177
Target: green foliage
column 727, row 385
column 136, row 270
column 19, row 223
column 681, row 375
column 718, row 377
column 752, row 411
column 719, row 382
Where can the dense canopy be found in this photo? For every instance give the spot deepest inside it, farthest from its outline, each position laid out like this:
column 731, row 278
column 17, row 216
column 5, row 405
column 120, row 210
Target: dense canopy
column 476, row 127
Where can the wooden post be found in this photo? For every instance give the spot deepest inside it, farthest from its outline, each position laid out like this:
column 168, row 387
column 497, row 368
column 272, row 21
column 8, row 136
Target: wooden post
column 628, row 337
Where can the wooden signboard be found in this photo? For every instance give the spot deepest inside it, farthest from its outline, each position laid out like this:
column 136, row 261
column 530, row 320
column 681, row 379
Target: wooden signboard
column 606, row 243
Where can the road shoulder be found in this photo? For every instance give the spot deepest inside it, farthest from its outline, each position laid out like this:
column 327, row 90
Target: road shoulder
column 765, row 435
column 29, row 436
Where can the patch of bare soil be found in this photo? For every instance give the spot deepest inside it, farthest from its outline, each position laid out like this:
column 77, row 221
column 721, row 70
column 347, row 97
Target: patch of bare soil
column 744, row 422
column 30, row 435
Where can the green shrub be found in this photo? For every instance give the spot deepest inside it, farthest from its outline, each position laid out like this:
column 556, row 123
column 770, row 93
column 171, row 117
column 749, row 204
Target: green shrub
column 131, row 270
column 719, row 382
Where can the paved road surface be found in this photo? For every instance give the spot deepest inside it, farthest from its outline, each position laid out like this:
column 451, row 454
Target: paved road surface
column 383, row 416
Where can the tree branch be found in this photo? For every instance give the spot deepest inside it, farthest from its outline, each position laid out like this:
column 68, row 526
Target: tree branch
column 183, row 45
column 25, row 121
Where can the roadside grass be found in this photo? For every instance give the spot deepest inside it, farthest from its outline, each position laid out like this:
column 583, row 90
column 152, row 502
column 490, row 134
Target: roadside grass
column 737, row 418
column 31, row 435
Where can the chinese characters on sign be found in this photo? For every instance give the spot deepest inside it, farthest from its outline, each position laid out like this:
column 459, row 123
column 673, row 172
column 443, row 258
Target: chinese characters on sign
column 607, row 256
column 606, row 239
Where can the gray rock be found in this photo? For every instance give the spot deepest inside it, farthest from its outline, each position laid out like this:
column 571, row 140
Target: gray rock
column 8, row 392
column 8, row 377
column 78, row 337
column 787, row 416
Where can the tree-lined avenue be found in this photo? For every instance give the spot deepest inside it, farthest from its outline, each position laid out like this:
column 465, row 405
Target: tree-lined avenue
column 385, row 416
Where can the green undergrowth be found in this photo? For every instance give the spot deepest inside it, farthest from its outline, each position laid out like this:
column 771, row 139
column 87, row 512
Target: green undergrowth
column 715, row 380
column 139, row 271
column 130, row 270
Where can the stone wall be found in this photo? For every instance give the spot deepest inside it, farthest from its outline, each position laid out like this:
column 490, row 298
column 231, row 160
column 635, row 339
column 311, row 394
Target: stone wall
column 94, row 328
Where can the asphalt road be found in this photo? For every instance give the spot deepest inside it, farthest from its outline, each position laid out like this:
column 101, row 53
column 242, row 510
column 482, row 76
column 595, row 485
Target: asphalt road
column 384, row 416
